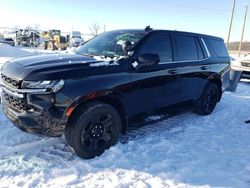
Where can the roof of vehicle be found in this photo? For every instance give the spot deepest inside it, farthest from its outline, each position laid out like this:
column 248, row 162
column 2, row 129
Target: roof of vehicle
column 169, row 31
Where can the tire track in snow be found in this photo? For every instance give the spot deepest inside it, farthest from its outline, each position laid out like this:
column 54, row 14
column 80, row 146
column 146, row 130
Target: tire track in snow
column 55, row 149
column 27, row 147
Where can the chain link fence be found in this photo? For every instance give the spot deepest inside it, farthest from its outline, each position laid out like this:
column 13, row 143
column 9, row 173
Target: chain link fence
column 29, row 36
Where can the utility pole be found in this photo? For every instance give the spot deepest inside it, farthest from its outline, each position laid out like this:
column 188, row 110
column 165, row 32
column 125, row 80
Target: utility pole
column 243, row 29
column 231, row 22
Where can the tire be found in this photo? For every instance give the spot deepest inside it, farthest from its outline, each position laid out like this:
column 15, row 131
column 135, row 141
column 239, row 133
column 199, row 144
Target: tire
column 93, row 129
column 51, row 46
column 208, row 100
column 45, row 45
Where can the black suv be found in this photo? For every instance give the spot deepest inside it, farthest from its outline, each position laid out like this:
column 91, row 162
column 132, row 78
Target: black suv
column 90, row 96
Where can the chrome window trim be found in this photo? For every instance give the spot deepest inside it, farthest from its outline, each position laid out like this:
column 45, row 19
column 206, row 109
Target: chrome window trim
column 208, row 53
column 168, row 62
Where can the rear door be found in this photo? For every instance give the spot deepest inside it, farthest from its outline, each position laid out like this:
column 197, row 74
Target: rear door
column 194, row 65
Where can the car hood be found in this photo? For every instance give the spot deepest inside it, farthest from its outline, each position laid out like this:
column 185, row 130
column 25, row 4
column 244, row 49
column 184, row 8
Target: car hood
column 57, row 66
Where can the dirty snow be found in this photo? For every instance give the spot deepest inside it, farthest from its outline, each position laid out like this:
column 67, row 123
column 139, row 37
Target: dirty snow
column 186, row 150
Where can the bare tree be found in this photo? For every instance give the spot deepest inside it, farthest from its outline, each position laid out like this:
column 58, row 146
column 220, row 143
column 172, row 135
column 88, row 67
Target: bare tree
column 29, row 28
column 94, row 29
column 37, row 27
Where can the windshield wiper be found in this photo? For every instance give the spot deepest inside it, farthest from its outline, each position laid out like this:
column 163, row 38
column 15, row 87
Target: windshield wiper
column 110, row 54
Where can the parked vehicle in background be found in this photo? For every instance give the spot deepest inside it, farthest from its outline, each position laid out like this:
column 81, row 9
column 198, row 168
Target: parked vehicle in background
column 24, row 37
column 9, row 41
column 76, row 39
column 242, row 64
column 54, row 40
column 91, row 96
column 10, row 35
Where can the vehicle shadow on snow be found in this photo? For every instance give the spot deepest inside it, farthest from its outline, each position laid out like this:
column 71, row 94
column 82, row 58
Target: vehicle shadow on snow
column 51, row 148
column 144, row 125
column 139, row 128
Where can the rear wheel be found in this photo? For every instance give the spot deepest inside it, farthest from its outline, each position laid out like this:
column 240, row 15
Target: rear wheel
column 94, row 129
column 208, row 100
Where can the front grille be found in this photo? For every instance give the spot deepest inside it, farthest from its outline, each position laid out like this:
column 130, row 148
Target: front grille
column 245, row 64
column 11, row 82
column 245, row 74
column 17, row 104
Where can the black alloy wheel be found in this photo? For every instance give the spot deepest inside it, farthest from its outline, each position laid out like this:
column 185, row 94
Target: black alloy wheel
column 208, row 99
column 97, row 132
column 94, row 128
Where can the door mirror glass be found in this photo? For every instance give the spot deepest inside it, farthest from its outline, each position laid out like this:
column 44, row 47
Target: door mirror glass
column 146, row 60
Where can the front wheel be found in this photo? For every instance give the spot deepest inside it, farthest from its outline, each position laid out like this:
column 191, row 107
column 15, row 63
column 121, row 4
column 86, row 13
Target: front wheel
column 208, row 100
column 51, row 46
column 95, row 127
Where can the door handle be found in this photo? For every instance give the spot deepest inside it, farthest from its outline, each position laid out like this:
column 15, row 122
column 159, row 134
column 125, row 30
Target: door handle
column 172, row 71
column 204, row 67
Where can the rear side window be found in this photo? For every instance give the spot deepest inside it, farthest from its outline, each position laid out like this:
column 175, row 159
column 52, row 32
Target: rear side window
column 219, row 47
column 186, row 48
column 159, row 44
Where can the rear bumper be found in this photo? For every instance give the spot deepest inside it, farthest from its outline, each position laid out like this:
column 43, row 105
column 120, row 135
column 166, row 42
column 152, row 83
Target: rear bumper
column 245, row 70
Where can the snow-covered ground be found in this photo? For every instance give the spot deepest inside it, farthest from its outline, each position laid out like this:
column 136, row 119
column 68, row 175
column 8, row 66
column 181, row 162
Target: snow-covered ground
column 186, row 150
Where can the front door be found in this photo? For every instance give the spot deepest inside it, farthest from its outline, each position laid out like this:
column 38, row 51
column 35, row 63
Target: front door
column 156, row 86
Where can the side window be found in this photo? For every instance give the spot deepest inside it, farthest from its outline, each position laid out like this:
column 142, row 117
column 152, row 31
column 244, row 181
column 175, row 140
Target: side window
column 161, row 45
column 186, row 48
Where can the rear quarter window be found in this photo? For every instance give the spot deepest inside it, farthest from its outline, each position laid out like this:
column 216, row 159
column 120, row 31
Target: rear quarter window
column 218, row 47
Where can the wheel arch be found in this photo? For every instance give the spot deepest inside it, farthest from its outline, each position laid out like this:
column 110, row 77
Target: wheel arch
column 216, row 79
column 108, row 97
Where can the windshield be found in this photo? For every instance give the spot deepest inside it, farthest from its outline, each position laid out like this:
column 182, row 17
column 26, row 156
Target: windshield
column 109, row 44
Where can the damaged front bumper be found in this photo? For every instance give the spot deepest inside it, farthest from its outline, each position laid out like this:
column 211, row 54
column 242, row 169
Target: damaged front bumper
column 34, row 112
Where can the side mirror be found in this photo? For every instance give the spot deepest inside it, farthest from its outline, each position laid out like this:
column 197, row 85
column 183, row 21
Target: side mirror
column 127, row 46
column 146, row 60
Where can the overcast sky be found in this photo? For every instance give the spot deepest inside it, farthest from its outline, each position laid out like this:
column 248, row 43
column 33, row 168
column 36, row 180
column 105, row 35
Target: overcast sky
column 208, row 17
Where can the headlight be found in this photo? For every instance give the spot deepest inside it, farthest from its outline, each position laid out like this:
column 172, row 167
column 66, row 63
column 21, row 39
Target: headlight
column 48, row 85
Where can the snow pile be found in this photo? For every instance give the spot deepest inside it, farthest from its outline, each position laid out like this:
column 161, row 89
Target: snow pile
column 186, row 150
column 10, row 51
